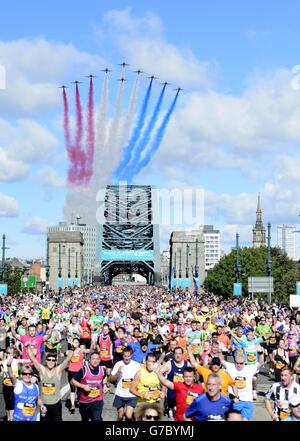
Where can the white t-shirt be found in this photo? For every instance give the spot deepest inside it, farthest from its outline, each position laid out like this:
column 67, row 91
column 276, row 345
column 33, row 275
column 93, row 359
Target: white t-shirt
column 243, row 379
column 124, row 381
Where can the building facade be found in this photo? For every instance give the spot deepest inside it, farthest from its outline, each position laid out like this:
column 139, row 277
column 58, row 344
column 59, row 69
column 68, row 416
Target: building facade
column 89, row 245
column 212, row 247
column 187, row 258
column 65, row 258
column 259, row 231
column 286, row 240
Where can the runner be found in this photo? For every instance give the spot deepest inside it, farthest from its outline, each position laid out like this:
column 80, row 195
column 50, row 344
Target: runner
column 51, row 383
column 210, row 406
column 26, row 393
column 185, row 391
column 281, row 392
column 91, row 381
column 124, row 372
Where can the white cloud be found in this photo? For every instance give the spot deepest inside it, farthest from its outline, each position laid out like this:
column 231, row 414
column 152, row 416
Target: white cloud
column 12, row 170
column 36, row 225
column 9, row 206
column 143, row 43
column 50, row 178
column 34, row 69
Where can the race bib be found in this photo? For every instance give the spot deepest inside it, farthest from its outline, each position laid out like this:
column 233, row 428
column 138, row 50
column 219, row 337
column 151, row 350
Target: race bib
column 85, row 334
column 7, row 382
column 240, row 382
column 239, row 352
column 190, row 397
column 48, row 388
column 154, row 393
column 178, row 378
column 273, row 341
column 283, row 414
column 279, row 365
column 94, row 392
column 75, row 359
column 103, row 352
column 28, row 409
column 251, row 357
column 126, row 383
column 119, row 349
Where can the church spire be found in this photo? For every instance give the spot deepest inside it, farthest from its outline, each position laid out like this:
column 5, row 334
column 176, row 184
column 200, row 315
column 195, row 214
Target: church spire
column 259, row 231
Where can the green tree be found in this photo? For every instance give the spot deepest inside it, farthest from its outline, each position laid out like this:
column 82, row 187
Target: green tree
column 13, row 279
column 253, row 263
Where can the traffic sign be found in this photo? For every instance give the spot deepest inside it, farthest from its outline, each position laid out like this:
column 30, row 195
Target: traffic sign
column 28, row 281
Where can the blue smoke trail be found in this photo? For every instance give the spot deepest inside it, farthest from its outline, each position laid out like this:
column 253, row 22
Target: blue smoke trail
column 146, row 137
column 134, row 137
column 158, row 138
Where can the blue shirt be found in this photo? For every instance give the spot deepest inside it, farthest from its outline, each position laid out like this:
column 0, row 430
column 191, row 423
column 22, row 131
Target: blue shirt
column 138, row 355
column 204, row 409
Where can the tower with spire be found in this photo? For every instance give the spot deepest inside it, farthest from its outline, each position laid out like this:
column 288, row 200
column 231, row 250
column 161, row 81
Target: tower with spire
column 259, row 231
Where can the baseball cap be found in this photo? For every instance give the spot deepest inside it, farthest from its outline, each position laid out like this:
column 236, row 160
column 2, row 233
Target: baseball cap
column 294, row 401
column 215, row 360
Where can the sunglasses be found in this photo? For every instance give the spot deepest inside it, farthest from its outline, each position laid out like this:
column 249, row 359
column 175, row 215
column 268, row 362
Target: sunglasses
column 240, row 363
column 51, row 359
column 27, row 373
column 152, row 417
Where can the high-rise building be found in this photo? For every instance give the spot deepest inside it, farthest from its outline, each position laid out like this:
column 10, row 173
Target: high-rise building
column 286, row 240
column 89, row 245
column 259, row 231
column 212, row 249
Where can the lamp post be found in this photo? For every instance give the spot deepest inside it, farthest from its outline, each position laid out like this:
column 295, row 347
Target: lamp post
column 269, row 262
column 47, row 266
column 237, row 261
column 2, row 273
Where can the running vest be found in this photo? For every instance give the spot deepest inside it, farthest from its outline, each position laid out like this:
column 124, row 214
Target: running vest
column 86, row 330
column 95, row 383
column 149, row 382
column 50, row 388
column 176, row 376
column 105, row 345
column 284, row 412
column 25, row 403
column 76, row 361
column 279, row 361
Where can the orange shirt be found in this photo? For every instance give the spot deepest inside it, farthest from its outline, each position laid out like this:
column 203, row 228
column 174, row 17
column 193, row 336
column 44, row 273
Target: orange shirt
column 226, row 379
column 224, row 339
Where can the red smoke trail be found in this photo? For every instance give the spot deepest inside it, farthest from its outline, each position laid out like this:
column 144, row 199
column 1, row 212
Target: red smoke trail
column 90, row 133
column 77, row 155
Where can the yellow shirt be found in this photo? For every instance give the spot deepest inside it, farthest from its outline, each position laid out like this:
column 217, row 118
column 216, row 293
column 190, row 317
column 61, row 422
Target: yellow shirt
column 149, row 382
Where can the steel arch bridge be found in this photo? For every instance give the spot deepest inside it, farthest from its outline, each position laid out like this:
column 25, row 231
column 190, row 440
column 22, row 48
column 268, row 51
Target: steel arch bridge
column 128, row 239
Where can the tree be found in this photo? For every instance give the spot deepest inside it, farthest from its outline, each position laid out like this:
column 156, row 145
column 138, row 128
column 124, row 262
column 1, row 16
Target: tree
column 13, row 279
column 253, row 263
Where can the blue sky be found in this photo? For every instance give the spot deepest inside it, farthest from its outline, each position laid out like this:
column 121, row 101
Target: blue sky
column 236, row 128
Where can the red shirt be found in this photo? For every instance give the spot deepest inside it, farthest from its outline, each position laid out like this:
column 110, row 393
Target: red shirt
column 184, row 395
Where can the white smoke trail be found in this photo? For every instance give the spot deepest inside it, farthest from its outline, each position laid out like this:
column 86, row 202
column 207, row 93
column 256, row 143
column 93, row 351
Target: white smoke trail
column 128, row 120
column 114, row 132
column 101, row 158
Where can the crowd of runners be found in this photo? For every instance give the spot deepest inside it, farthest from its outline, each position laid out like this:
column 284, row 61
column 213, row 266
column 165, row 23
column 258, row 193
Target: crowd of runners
column 164, row 355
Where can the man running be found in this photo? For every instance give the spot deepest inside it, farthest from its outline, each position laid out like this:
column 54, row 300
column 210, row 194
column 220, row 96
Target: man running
column 124, row 372
column 185, row 391
column 91, row 380
column 210, row 406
